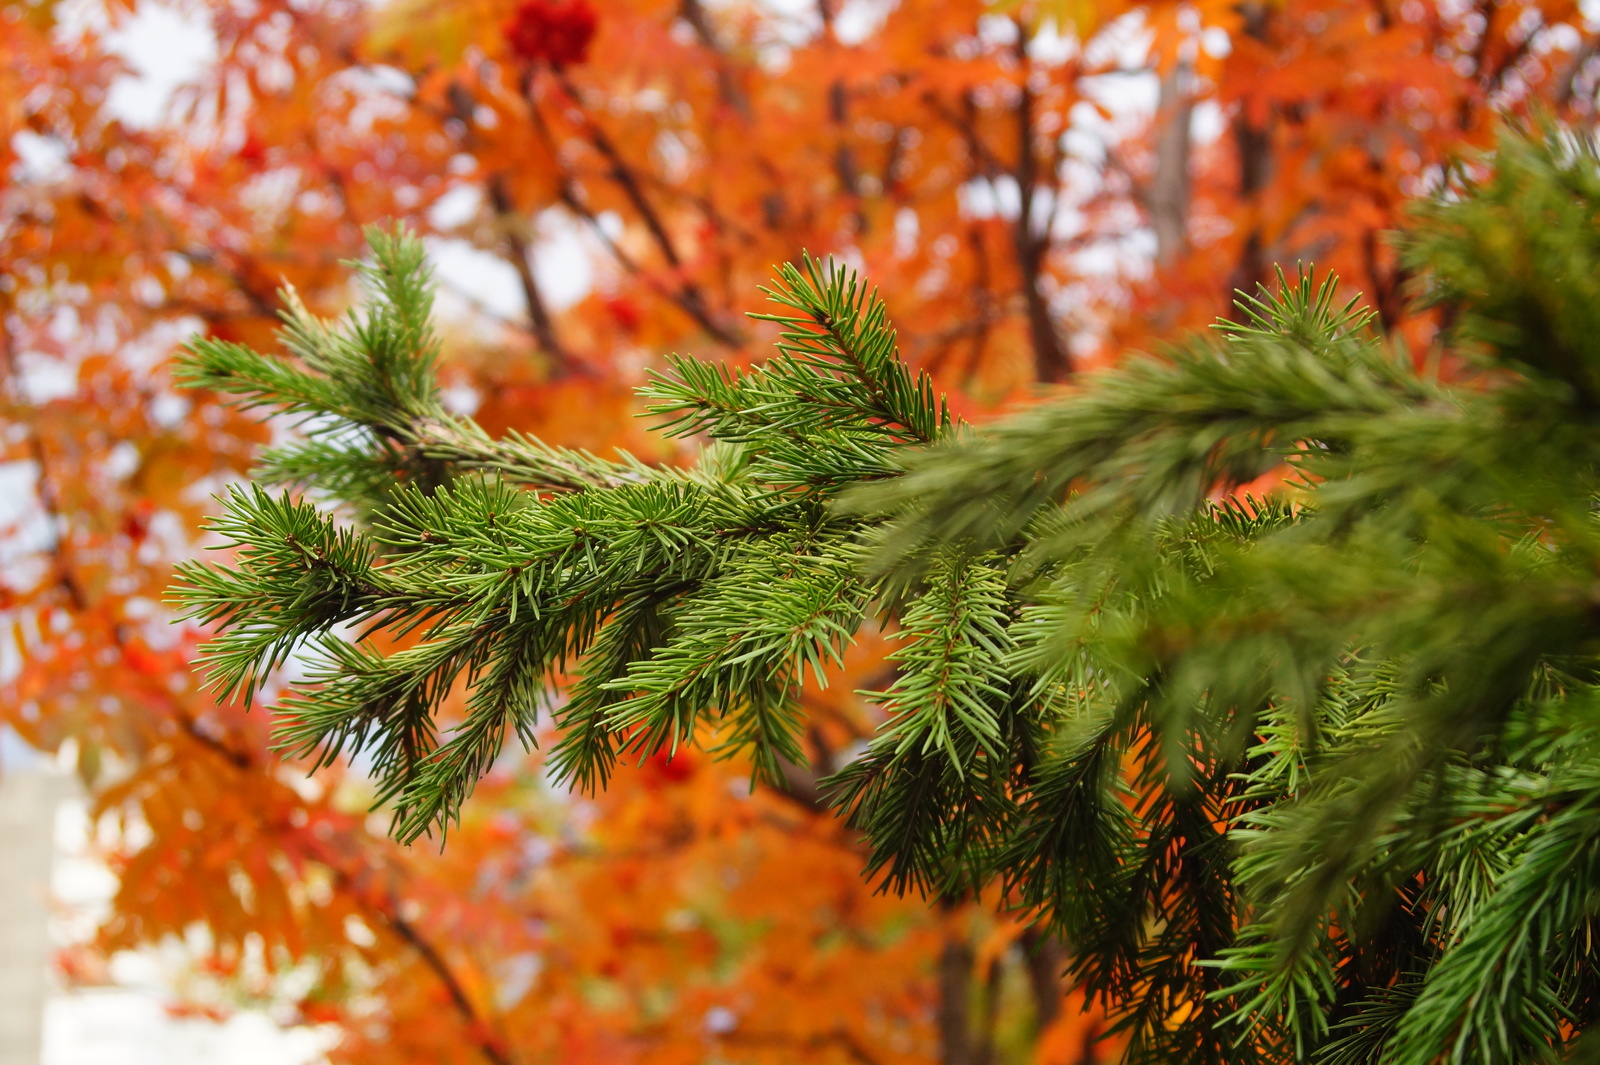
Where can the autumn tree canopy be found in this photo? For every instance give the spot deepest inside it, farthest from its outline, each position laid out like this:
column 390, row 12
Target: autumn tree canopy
column 1034, row 190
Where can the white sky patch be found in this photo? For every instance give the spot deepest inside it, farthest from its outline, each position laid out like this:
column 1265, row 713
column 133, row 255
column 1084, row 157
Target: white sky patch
column 456, row 208
column 858, row 20
column 563, row 259
column 39, row 158
column 474, row 279
column 124, row 1026
column 1050, row 46
column 167, row 49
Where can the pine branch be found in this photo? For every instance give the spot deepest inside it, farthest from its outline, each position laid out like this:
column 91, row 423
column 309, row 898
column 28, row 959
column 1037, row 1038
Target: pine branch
column 1305, row 778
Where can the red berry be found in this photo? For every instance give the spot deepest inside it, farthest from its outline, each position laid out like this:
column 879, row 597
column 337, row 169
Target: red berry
column 556, row 31
column 665, row 767
column 625, row 311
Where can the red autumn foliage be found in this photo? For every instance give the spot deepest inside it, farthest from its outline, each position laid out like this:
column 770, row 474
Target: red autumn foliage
column 959, row 151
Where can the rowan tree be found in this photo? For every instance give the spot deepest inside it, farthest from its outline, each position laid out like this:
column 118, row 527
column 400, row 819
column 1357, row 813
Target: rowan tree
column 692, row 146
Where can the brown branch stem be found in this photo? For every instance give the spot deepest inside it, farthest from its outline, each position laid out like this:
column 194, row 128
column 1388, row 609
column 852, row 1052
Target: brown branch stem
column 687, row 297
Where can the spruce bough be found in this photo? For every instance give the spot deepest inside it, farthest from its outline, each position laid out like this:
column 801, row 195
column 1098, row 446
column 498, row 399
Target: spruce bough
column 1315, row 778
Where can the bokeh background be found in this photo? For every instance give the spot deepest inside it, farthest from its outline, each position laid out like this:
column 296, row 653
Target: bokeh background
column 1035, row 187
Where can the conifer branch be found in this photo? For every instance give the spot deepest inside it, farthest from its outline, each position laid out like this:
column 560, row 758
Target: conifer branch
column 1310, row 778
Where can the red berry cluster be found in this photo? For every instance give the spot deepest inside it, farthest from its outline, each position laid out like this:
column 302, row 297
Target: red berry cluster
column 556, row 31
